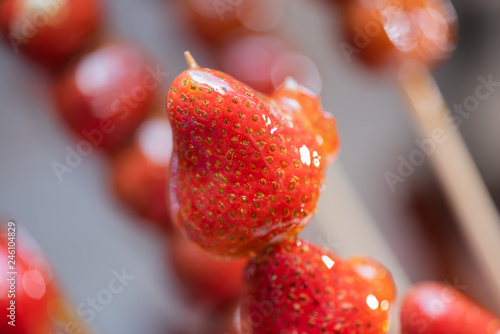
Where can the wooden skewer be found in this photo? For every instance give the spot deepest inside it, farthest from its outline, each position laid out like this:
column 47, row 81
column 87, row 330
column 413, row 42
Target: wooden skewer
column 467, row 194
column 64, row 316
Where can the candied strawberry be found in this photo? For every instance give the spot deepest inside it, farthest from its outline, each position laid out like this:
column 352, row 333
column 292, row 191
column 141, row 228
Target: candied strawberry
column 298, row 287
column 308, row 112
column 34, row 288
column 49, row 32
column 388, row 33
column 247, row 169
column 140, row 172
column 380, row 279
column 435, row 308
column 107, row 93
column 207, row 280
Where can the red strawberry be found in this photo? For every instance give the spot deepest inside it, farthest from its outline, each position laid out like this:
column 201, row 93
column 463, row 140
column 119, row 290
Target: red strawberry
column 107, row 93
column 207, row 280
column 263, row 62
column 378, row 276
column 311, row 116
column 139, row 172
column 214, row 20
column 390, row 32
column 34, row 287
column 247, row 168
column 49, row 32
column 297, row 287
column 434, row 308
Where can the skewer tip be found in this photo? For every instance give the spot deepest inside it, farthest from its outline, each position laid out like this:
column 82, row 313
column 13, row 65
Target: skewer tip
column 190, row 60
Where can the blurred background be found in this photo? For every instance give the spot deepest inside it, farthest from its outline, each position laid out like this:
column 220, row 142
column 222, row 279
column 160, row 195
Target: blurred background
column 87, row 233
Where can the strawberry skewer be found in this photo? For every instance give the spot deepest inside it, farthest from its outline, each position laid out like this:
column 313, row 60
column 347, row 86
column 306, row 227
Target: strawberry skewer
column 473, row 207
column 410, row 37
column 198, row 99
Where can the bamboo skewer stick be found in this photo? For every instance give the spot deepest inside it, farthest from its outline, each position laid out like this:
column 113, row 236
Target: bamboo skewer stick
column 467, row 194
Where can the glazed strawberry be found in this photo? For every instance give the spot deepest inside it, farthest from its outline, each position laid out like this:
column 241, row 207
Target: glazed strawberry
column 391, row 32
column 298, row 287
column 49, row 31
column 206, row 279
column 247, row 168
column 107, row 93
column 34, row 288
column 435, row 308
column 139, row 172
column 379, row 278
column 310, row 115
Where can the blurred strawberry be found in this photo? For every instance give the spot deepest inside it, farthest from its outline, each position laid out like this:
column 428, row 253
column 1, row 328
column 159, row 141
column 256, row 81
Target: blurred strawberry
column 264, row 62
column 33, row 288
column 214, row 20
column 140, row 172
column 49, row 31
column 207, row 280
column 388, row 33
column 105, row 96
column 435, row 308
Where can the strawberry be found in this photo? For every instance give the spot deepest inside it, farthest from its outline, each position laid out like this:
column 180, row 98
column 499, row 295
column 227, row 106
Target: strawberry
column 247, row 168
column 34, row 289
column 379, row 278
column 435, row 308
column 310, row 115
column 390, row 32
column 298, row 287
column 263, row 62
column 139, row 172
column 206, row 279
column 50, row 32
column 214, row 20
column 107, row 93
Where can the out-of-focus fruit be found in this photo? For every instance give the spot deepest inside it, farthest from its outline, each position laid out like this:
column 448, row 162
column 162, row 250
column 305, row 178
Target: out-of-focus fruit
column 248, row 169
column 298, row 287
column 210, row 20
column 379, row 278
column 216, row 19
column 264, row 62
column 435, row 308
column 49, row 31
column 390, row 32
column 140, row 172
column 206, row 279
column 106, row 95
column 26, row 295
